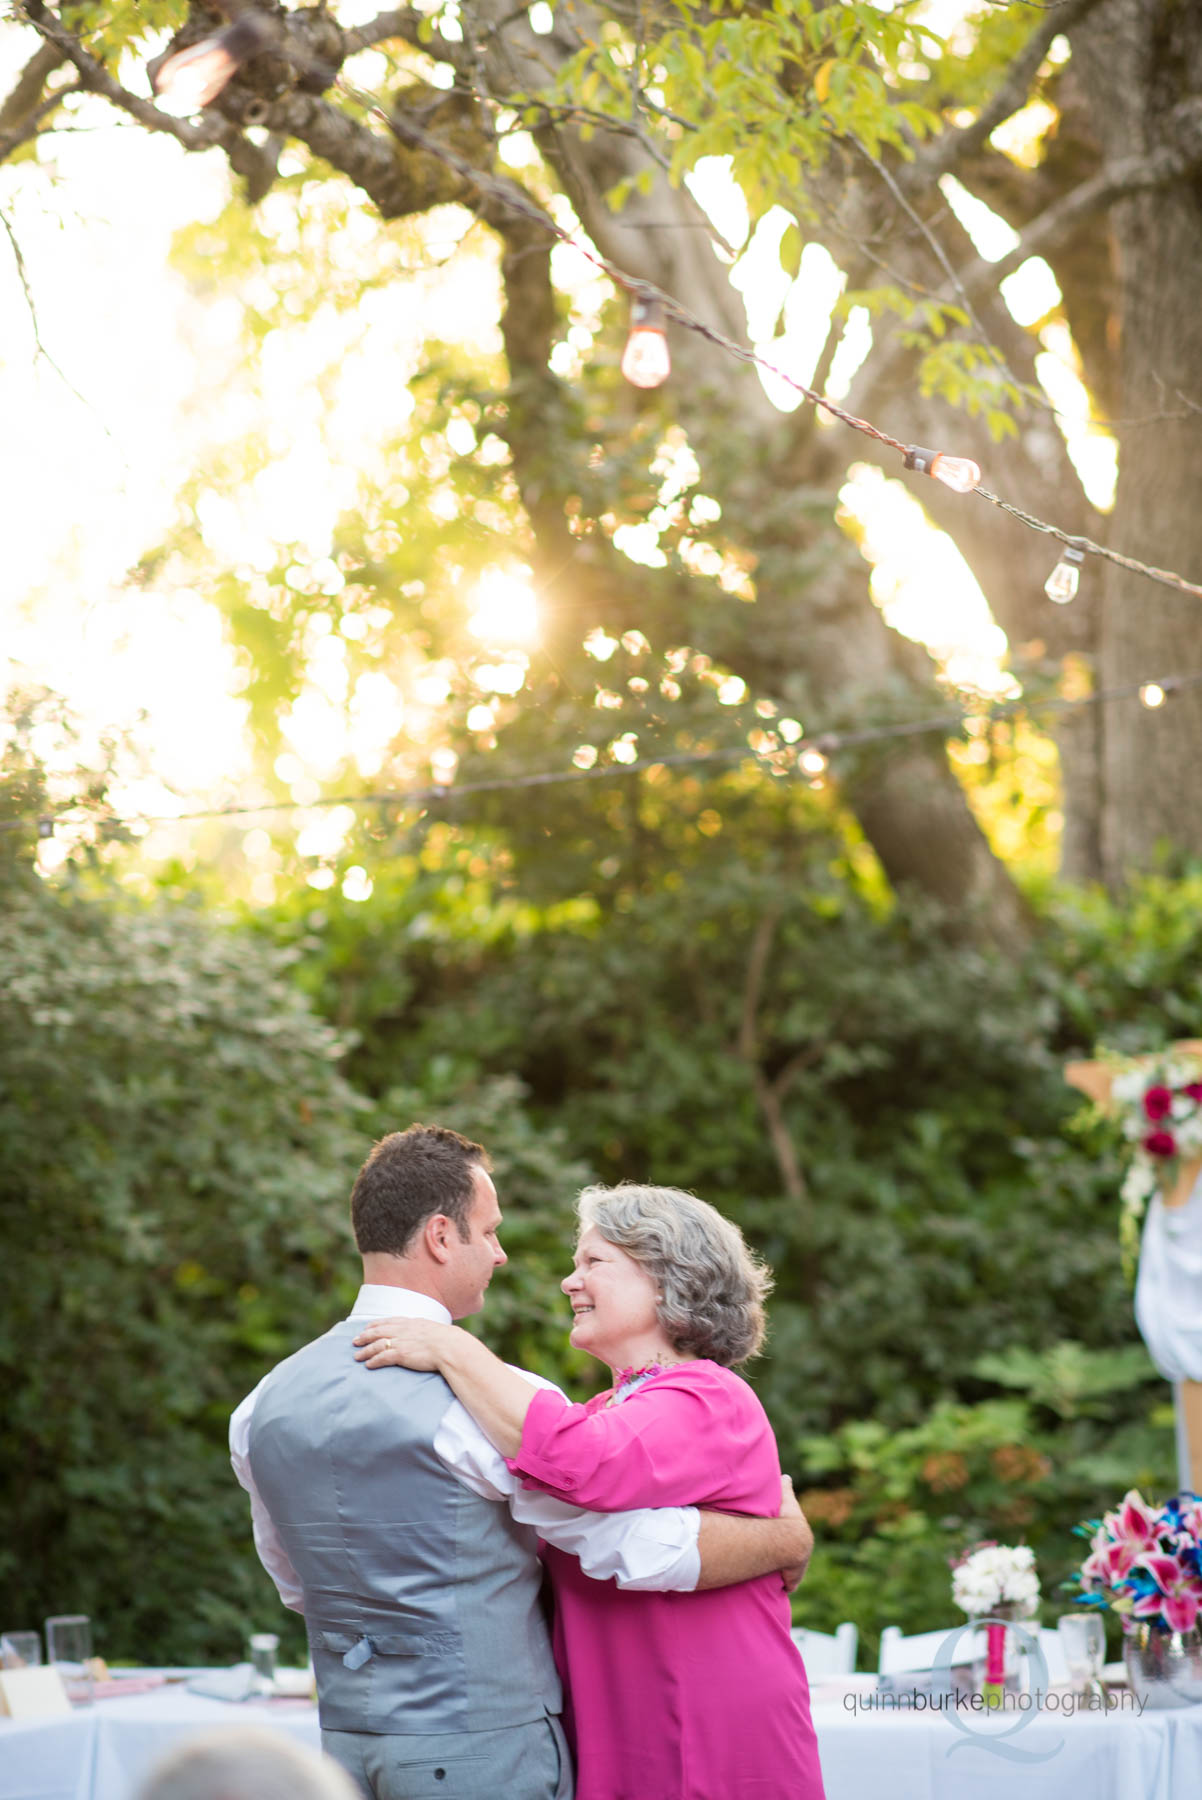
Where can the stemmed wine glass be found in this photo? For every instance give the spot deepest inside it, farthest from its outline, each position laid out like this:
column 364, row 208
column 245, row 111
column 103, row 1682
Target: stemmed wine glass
column 1083, row 1640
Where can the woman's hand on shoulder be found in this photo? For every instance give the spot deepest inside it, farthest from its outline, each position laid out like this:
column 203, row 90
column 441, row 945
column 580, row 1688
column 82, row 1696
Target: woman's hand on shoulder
column 419, row 1344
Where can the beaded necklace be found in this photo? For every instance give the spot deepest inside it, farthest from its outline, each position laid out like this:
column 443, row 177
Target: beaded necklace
column 629, row 1381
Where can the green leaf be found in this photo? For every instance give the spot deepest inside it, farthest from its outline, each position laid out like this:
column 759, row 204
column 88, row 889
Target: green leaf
column 790, row 251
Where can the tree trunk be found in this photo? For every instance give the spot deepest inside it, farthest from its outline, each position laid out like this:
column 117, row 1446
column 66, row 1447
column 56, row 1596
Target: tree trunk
column 814, row 634
column 1141, row 59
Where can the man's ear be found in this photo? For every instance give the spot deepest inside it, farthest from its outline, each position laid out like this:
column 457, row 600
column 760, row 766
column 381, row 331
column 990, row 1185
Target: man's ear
column 437, row 1235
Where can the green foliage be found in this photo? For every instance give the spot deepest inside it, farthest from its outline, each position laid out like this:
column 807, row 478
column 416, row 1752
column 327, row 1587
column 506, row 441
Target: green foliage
column 769, row 87
column 572, row 980
column 175, row 1143
column 782, row 91
column 1067, row 1379
column 904, row 1505
column 957, row 1231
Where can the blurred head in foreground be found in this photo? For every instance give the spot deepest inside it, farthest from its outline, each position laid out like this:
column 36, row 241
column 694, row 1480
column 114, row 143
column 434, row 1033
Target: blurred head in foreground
column 243, row 1763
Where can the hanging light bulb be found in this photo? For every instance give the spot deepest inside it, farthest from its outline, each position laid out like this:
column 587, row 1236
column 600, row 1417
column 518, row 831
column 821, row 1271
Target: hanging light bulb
column 645, row 360
column 1152, row 694
column 192, row 78
column 955, row 472
column 1061, row 584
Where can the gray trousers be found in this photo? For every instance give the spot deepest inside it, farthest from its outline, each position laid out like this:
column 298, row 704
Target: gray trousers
column 522, row 1762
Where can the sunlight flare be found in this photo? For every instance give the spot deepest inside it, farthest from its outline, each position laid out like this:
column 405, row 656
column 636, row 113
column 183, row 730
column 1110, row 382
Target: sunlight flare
column 506, row 612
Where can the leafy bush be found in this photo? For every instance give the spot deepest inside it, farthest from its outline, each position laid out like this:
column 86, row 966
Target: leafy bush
column 877, row 1102
column 897, row 1507
column 175, row 1141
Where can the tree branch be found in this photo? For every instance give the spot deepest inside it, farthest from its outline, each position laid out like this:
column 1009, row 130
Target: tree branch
column 781, row 1139
column 40, row 349
column 95, row 79
column 31, row 83
column 1057, row 222
column 753, row 986
column 1130, row 175
column 769, row 1095
column 405, row 25
column 945, row 151
column 21, row 134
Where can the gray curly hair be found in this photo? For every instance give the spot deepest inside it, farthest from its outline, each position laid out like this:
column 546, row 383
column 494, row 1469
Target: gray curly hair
column 247, row 1763
column 713, row 1288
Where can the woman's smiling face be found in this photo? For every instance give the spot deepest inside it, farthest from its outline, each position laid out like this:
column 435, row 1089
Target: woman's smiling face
column 613, row 1299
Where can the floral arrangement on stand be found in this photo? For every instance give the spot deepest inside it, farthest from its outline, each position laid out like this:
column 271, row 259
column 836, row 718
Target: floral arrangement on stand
column 997, row 1579
column 1158, row 1105
column 1145, row 1562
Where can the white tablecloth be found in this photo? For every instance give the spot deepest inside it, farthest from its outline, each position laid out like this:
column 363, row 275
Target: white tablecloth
column 1043, row 1756
column 102, row 1752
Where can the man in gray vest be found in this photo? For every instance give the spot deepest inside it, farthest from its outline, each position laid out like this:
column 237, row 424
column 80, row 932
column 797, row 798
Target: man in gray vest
column 383, row 1513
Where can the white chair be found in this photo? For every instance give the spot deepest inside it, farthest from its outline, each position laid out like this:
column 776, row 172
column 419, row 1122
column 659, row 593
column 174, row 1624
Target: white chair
column 826, row 1654
column 901, row 1655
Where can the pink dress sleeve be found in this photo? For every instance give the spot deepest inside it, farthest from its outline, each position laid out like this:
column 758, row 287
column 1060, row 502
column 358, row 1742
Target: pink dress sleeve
column 691, row 1437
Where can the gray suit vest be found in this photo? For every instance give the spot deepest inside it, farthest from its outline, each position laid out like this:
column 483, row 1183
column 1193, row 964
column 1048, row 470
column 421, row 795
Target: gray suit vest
column 421, row 1599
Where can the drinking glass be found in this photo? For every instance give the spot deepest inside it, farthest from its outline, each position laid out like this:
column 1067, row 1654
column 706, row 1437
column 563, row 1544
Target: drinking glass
column 1083, row 1640
column 69, row 1648
column 20, row 1649
column 263, row 1647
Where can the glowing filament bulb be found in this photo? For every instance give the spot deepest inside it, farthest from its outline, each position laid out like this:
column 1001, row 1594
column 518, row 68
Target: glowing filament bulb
column 812, row 761
column 956, row 472
column 1061, row 584
column 1152, row 694
column 193, row 78
column 645, row 360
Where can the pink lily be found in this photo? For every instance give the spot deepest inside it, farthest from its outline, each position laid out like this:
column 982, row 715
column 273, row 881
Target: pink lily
column 1109, row 1563
column 1135, row 1522
column 1180, row 1597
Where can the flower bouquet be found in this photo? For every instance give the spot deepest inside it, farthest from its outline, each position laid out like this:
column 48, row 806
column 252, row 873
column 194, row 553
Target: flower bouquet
column 992, row 1575
column 998, row 1580
column 1145, row 1563
column 1158, row 1105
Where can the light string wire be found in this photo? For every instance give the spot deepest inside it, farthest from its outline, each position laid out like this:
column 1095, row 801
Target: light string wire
column 825, row 743
column 504, row 194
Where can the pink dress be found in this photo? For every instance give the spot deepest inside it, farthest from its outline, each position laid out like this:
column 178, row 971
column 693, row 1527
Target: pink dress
column 673, row 1696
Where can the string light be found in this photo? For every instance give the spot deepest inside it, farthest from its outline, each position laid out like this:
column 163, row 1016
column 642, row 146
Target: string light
column 1061, row 584
column 812, row 761
column 645, row 360
column 1152, row 694
column 192, row 78
column 409, row 132
column 956, row 472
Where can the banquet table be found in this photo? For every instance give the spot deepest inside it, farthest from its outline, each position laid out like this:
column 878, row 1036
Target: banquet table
column 102, row 1751
column 870, row 1750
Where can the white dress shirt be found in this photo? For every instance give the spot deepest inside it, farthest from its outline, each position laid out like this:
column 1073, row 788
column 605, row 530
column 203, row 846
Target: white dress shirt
column 648, row 1549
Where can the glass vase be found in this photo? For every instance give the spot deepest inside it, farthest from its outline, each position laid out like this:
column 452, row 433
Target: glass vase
column 1164, row 1667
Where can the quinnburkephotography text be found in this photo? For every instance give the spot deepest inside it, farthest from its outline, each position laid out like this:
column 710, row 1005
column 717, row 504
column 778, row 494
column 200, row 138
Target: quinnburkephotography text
column 1031, row 1700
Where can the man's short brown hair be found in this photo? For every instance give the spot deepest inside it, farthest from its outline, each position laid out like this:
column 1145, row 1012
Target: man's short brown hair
column 410, row 1176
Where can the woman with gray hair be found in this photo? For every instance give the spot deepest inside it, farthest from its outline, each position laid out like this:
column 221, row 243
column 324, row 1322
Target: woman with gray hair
column 246, row 1763
column 671, row 1696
